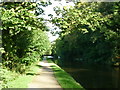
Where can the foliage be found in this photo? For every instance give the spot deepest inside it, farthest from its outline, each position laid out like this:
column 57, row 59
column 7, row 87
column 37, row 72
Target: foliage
column 14, row 80
column 23, row 38
column 6, row 76
column 89, row 33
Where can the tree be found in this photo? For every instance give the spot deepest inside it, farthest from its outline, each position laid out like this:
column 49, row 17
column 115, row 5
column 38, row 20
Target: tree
column 23, row 35
column 89, row 33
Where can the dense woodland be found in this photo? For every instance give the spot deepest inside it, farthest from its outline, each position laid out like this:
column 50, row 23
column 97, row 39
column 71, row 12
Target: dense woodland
column 24, row 38
column 90, row 33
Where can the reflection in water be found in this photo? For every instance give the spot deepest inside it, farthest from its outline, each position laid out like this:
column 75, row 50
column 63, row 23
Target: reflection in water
column 94, row 76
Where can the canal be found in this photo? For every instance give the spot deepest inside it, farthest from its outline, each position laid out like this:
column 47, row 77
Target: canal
column 94, row 76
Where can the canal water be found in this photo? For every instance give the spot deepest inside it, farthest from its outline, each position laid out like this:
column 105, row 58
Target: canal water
column 94, row 76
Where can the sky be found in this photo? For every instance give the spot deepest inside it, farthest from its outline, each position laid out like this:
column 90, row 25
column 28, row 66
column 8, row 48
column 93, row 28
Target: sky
column 49, row 10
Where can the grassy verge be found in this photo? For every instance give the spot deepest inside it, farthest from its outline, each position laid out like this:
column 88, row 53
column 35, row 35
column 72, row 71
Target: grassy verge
column 64, row 79
column 21, row 80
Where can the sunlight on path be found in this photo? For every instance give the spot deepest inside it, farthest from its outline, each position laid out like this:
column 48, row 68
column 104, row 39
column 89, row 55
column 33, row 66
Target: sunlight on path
column 45, row 78
column 45, row 63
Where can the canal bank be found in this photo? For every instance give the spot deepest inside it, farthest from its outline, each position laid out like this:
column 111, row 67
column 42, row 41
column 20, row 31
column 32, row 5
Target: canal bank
column 64, row 79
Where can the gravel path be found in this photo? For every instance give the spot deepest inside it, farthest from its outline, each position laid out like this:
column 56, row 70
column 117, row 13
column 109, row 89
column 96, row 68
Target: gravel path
column 45, row 77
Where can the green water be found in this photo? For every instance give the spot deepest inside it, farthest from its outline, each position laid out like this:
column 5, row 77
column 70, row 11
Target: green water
column 94, row 76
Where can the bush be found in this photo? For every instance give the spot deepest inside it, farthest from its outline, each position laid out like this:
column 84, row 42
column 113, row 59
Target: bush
column 5, row 77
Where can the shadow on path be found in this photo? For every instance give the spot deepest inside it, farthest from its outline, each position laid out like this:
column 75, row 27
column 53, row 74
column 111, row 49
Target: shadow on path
column 45, row 77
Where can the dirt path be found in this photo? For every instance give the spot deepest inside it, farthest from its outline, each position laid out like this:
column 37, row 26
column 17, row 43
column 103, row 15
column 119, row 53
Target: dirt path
column 45, row 78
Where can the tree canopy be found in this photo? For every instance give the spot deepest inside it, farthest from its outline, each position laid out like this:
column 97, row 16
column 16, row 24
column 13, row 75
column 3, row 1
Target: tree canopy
column 24, row 39
column 90, row 32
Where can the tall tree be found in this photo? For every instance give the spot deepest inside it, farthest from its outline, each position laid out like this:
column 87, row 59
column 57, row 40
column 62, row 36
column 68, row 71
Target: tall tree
column 23, row 35
column 89, row 33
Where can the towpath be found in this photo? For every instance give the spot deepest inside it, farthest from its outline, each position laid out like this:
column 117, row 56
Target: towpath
column 45, row 77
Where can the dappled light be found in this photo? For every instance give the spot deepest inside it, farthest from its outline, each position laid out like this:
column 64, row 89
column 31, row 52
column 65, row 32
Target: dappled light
column 46, row 77
column 60, row 44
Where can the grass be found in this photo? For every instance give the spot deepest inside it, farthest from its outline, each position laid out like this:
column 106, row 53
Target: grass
column 63, row 78
column 22, row 80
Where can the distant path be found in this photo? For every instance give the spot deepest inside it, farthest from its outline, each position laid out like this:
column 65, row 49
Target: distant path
column 45, row 78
